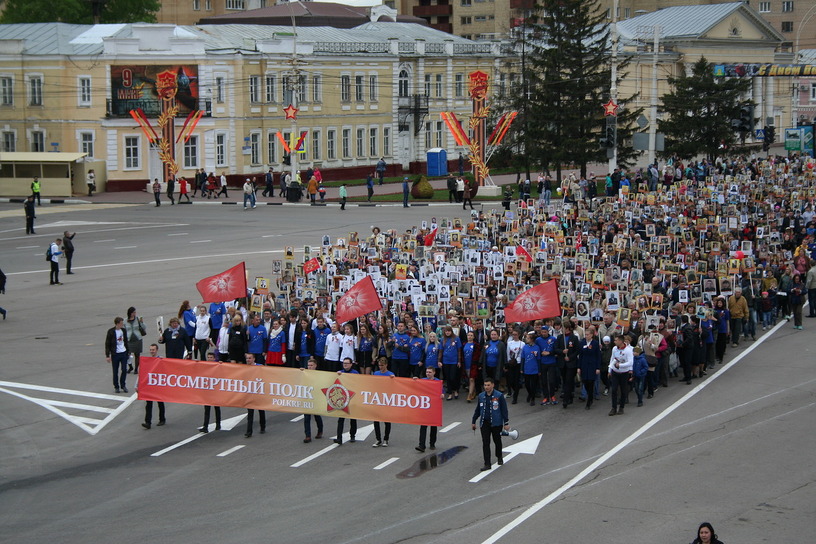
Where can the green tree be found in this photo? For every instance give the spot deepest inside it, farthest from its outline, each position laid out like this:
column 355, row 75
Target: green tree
column 699, row 111
column 566, row 81
column 80, row 11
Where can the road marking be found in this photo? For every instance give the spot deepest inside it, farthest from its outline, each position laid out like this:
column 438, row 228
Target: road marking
column 86, row 232
column 536, row 507
column 125, row 247
column 200, row 241
column 88, row 424
column 177, row 234
column 231, row 450
column 385, row 463
column 298, row 418
column 528, row 446
column 270, row 235
column 60, row 208
column 226, row 424
column 450, row 427
column 27, row 247
column 151, row 261
column 100, row 241
column 362, row 434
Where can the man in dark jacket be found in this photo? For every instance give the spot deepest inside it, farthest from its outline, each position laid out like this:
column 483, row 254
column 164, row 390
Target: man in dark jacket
column 116, row 353
column 176, row 340
column 491, row 412
column 567, row 348
column 28, row 206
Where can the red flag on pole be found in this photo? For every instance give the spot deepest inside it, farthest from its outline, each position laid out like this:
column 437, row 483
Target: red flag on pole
column 431, row 237
column 359, row 300
column 311, row 265
column 521, row 252
column 540, row 302
column 227, row 285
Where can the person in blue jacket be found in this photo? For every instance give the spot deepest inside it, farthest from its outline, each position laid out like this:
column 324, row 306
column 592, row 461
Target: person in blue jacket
column 321, row 331
column 491, row 412
column 217, row 312
column 432, row 353
column 639, row 369
column 530, row 367
column 400, row 344
column 450, row 355
column 348, row 368
column 589, row 364
column 188, row 318
column 417, row 353
column 549, row 365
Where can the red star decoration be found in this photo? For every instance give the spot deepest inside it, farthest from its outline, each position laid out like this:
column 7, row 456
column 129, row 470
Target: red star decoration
column 610, row 108
column 337, row 397
column 290, row 111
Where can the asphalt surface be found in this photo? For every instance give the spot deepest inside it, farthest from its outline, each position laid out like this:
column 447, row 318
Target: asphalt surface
column 735, row 451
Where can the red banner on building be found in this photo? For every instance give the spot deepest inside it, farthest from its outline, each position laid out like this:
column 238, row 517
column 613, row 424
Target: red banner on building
column 356, row 396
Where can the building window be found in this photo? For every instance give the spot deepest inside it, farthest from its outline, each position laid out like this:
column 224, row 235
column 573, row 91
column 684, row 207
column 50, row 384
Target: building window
column 346, row 143
column 221, row 149
column 439, row 134
column 86, row 143
column 255, row 148
column 35, row 97
column 287, row 92
column 191, row 152
column 132, row 159
column 459, row 85
column 316, row 90
column 331, row 152
column 316, row 145
column 37, row 141
column 254, row 89
column 345, row 88
column 787, row 7
column 403, row 88
column 361, row 142
column 208, row 5
column 84, row 91
column 502, row 84
column 764, row 7
column 813, row 92
column 301, row 89
column 358, row 89
column 372, row 88
column 270, row 89
column 9, row 142
column 386, row 141
column 272, row 147
column 439, row 86
column 428, row 133
column 787, row 26
column 466, row 20
column 196, row 5
column 219, row 90
column 6, row 91
column 427, row 84
column 372, row 142
column 480, row 18
column 236, row 4
column 466, row 2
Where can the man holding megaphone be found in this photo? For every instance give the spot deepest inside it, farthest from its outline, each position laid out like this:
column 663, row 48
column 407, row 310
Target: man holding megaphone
column 491, row 411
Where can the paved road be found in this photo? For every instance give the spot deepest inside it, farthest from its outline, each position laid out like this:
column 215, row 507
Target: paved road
column 737, row 451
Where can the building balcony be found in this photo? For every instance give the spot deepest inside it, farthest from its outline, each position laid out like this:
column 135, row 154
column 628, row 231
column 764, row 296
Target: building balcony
column 433, row 11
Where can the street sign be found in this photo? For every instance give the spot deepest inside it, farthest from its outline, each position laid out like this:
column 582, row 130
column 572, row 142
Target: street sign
column 759, row 134
column 793, row 139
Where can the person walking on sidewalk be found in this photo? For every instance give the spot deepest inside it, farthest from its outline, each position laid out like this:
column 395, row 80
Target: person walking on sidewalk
column 171, row 188
column 183, row 189
column 30, row 214
column 343, row 196
column 466, row 196
column 157, row 191
column 370, row 185
column 35, row 190
column 223, row 190
column 405, row 192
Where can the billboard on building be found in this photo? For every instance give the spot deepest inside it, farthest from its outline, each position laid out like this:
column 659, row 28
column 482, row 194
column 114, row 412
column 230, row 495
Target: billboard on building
column 764, row 70
column 138, row 86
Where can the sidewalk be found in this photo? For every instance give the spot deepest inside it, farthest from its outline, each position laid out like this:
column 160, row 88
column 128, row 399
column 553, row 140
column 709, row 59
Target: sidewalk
column 236, row 195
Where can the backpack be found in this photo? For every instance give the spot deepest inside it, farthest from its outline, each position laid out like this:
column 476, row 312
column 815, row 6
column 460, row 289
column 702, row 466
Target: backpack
column 48, row 254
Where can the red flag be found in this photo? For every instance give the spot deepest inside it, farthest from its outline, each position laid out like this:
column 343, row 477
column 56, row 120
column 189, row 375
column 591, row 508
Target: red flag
column 227, row 285
column 311, row 265
column 521, row 252
column 359, row 300
column 540, row 302
column 431, row 237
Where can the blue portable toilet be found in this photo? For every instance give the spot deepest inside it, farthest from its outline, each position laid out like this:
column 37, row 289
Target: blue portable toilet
column 437, row 162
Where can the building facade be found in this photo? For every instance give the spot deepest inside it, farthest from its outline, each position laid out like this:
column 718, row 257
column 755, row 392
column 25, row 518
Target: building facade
column 362, row 94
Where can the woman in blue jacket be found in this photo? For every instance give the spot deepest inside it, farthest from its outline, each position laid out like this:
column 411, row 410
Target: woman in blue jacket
column 530, row 359
column 589, row 364
column 450, row 355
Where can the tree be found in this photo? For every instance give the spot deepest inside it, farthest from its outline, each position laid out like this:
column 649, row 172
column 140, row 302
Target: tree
column 700, row 109
column 568, row 77
column 80, row 11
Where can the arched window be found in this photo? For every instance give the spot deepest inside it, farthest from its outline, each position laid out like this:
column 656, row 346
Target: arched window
column 403, row 83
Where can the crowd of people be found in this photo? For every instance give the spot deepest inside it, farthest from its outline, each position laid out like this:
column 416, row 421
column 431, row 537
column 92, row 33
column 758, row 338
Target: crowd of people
column 655, row 282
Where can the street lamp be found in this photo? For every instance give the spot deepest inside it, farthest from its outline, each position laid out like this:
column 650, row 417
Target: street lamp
column 795, row 107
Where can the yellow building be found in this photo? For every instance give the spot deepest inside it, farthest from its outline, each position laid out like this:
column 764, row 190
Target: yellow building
column 360, row 93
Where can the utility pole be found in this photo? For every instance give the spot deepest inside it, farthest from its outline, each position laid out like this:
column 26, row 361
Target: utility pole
column 613, row 90
column 656, row 29
column 294, row 86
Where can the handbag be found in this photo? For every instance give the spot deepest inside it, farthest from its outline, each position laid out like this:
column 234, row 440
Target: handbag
column 674, row 362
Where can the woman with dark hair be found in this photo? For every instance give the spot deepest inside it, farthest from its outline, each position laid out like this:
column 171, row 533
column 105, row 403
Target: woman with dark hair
column 450, row 355
column 135, row 330
column 706, row 535
column 723, row 318
column 796, row 299
column 187, row 318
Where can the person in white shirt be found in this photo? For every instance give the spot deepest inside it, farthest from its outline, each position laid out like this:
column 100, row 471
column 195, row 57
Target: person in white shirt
column 202, row 334
column 334, row 343
column 222, row 344
column 348, row 343
column 620, row 374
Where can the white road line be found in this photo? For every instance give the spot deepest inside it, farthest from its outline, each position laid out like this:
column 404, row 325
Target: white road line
column 27, row 247
column 231, row 450
column 167, row 260
column 125, row 247
column 89, row 407
column 177, row 234
column 100, row 241
column 298, row 418
column 385, row 463
column 177, row 444
column 450, row 427
column 532, row 510
column 60, row 390
column 200, row 241
column 362, row 434
column 271, row 235
column 313, row 456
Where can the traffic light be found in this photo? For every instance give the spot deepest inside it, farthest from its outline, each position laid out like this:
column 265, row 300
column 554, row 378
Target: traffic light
column 770, row 135
column 766, row 144
column 609, row 136
column 287, row 159
column 745, row 122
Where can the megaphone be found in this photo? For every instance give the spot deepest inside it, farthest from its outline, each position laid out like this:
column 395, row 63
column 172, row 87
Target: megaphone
column 512, row 433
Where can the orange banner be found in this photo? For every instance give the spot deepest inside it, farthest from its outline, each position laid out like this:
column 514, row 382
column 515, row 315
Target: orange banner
column 356, row 396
